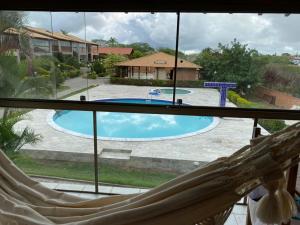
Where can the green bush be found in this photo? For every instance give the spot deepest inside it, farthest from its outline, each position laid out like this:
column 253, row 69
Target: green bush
column 157, row 83
column 233, row 96
column 98, row 67
column 73, row 73
column 244, row 103
column 66, row 67
column 41, row 71
column 102, row 74
column 92, row 75
column 12, row 140
column 60, row 78
column 45, row 62
column 272, row 125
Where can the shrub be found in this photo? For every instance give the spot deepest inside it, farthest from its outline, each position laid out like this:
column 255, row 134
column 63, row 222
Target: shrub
column 41, row 71
column 92, row 75
column 45, row 62
column 272, row 125
column 73, row 73
column 242, row 102
column 102, row 74
column 66, row 67
column 60, row 77
column 232, row 96
column 157, row 83
column 98, row 67
column 12, row 140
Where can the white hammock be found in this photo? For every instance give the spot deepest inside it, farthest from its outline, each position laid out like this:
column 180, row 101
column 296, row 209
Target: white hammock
column 204, row 196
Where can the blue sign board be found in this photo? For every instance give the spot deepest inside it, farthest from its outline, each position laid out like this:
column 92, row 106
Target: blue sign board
column 223, row 86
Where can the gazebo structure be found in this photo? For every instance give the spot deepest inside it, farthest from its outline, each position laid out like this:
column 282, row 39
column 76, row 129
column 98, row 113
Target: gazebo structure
column 158, row 66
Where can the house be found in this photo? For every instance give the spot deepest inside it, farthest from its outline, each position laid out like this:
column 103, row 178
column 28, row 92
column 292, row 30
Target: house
column 44, row 42
column 159, row 66
column 68, row 44
column 39, row 44
column 104, row 51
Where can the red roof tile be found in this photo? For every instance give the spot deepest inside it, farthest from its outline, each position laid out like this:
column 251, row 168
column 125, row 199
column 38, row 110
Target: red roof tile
column 117, row 51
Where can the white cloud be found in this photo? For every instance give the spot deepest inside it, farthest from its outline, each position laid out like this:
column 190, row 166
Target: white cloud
column 268, row 33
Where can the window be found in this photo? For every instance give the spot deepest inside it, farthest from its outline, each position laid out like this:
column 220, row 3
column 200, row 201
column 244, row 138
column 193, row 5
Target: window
column 41, row 45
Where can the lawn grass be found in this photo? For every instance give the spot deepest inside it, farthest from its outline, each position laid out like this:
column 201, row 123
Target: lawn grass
column 85, row 171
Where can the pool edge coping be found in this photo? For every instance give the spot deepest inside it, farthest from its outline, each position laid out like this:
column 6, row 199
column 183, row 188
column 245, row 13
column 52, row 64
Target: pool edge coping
column 51, row 122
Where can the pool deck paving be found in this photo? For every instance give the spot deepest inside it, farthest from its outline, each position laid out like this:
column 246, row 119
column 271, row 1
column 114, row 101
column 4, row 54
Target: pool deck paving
column 228, row 136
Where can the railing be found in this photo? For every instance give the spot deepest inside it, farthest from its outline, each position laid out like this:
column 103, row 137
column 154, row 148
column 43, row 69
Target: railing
column 254, row 114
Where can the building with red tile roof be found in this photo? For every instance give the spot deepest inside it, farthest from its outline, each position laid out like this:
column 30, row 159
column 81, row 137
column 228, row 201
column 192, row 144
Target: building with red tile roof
column 159, row 66
column 103, row 51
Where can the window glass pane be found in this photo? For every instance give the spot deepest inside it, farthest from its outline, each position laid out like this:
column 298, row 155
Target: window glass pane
column 241, row 60
column 133, row 59
column 257, row 53
column 130, row 58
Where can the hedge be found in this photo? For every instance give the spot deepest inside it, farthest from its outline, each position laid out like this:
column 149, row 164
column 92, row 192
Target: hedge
column 157, row 83
column 92, row 75
column 73, row 73
column 269, row 124
column 272, row 125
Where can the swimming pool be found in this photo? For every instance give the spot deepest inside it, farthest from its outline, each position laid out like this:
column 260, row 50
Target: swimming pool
column 131, row 126
column 179, row 91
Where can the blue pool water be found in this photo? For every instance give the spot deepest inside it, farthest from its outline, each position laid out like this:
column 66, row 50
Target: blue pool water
column 132, row 126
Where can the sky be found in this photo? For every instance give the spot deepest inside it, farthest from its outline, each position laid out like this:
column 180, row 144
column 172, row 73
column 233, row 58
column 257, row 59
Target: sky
column 267, row 33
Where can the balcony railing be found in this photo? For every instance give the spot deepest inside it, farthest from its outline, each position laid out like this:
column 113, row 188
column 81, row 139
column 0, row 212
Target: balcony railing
column 254, row 114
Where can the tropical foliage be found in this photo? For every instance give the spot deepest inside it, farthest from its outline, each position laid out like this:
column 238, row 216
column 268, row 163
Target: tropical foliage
column 17, row 80
column 232, row 63
column 171, row 51
column 11, row 139
column 110, row 61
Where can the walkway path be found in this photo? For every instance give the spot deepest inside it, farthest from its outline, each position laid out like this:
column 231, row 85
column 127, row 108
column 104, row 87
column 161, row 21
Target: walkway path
column 79, row 83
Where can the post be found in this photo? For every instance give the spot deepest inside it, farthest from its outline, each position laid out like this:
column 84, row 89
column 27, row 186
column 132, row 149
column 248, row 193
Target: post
column 255, row 133
column 95, row 151
column 146, row 72
column 176, row 56
column 139, row 72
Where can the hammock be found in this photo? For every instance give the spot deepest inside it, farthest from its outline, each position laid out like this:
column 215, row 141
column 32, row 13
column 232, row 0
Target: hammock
column 204, row 196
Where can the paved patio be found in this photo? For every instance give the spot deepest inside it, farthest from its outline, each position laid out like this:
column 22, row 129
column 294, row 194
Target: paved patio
column 227, row 137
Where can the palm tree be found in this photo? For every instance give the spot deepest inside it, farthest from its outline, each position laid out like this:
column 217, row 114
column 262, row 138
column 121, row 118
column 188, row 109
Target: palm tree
column 15, row 84
column 112, row 42
column 12, row 140
column 9, row 22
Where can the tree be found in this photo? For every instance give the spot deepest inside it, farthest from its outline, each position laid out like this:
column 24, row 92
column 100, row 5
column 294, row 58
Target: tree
column 64, row 31
column 171, row 51
column 137, row 54
column 12, row 140
column 111, row 60
column 98, row 67
column 112, row 42
column 231, row 63
column 14, row 83
column 141, row 47
column 9, row 19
